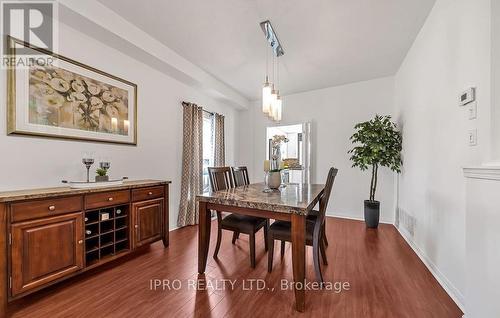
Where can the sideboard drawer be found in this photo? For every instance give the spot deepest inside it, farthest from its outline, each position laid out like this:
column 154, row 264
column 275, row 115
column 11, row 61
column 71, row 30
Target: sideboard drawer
column 99, row 200
column 43, row 208
column 147, row 193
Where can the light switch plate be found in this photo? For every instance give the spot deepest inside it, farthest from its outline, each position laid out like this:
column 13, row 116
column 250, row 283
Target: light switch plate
column 472, row 137
column 473, row 110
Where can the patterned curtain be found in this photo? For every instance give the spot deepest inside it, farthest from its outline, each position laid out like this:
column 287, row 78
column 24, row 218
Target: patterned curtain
column 219, row 151
column 192, row 163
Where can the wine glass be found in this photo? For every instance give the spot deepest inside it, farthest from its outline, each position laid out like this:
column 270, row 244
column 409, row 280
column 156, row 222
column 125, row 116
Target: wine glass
column 88, row 162
column 285, row 178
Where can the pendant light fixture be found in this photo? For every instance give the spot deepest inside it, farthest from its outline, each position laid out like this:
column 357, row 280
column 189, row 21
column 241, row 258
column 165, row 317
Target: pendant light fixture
column 278, row 103
column 274, row 96
column 266, row 89
column 272, row 104
column 279, row 108
column 266, row 96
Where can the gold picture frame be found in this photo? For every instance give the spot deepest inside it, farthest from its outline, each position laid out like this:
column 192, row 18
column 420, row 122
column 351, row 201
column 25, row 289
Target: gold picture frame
column 92, row 115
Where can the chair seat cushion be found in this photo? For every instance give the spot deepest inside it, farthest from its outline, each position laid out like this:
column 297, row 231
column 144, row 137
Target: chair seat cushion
column 281, row 230
column 245, row 223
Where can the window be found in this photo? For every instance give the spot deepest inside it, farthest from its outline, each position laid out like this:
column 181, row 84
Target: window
column 208, row 147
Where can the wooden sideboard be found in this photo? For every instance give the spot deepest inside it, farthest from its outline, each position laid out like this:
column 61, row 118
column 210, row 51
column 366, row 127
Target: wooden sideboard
column 48, row 235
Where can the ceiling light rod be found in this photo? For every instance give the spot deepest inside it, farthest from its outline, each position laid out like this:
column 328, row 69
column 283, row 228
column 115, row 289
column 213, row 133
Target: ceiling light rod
column 272, row 38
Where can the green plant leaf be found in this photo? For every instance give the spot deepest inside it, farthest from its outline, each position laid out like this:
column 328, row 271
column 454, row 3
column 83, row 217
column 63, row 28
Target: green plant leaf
column 376, row 143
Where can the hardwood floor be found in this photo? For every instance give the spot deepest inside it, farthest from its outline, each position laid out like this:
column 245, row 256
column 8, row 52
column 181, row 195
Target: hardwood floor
column 386, row 279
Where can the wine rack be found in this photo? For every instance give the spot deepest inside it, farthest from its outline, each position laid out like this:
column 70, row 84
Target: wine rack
column 106, row 233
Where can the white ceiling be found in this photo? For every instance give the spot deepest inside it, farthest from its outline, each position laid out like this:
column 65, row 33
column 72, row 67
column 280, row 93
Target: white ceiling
column 326, row 42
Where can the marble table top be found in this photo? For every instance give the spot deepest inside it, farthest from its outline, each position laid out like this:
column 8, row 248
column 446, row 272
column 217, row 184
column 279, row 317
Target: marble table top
column 294, row 198
column 10, row 196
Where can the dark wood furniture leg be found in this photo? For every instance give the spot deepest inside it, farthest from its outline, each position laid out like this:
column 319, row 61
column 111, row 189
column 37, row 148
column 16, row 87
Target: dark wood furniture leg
column 219, row 233
column 317, row 241
column 266, row 234
column 251, row 239
column 298, row 223
column 166, row 226
column 325, row 240
column 270, row 253
column 204, row 219
column 3, row 260
column 235, row 236
column 323, row 252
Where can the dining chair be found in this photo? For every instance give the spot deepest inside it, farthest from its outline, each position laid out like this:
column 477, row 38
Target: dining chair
column 281, row 230
column 312, row 216
column 240, row 176
column 221, row 179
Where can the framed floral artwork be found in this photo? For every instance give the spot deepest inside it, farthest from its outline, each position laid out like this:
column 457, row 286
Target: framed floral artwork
column 55, row 96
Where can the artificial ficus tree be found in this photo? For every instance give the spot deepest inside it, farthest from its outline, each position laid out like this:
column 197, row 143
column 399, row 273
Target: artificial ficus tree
column 376, row 143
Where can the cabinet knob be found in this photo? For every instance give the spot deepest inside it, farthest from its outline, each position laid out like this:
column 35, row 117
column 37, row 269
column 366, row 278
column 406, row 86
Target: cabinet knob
column 52, row 208
column 110, row 199
column 80, row 241
column 150, row 193
column 136, row 226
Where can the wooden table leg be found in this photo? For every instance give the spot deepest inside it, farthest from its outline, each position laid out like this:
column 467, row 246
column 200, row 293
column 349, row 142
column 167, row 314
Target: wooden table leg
column 204, row 220
column 299, row 259
column 4, row 285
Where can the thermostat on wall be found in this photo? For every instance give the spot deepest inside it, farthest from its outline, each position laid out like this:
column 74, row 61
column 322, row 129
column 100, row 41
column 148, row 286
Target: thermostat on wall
column 467, row 96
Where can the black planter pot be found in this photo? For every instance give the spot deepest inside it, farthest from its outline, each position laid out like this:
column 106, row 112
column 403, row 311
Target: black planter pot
column 372, row 213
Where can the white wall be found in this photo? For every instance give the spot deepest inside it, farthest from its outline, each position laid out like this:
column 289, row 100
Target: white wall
column 451, row 53
column 482, row 213
column 495, row 80
column 37, row 162
column 333, row 113
column 482, row 237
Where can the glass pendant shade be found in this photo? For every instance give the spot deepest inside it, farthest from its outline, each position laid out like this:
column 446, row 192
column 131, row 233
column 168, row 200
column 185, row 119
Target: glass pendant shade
column 266, row 97
column 279, row 108
column 272, row 110
column 275, row 110
column 272, row 105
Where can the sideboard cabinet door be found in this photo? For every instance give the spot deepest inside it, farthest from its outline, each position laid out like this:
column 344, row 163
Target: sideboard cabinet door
column 147, row 218
column 45, row 250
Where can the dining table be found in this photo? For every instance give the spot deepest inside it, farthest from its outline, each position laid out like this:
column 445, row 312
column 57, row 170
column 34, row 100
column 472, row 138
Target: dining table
column 291, row 203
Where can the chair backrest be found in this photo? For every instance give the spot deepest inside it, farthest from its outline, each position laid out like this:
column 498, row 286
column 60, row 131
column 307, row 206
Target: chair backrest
column 220, row 178
column 325, row 197
column 240, row 175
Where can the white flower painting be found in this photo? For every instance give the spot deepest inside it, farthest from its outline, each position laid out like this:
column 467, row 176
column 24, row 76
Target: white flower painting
column 57, row 97
column 61, row 98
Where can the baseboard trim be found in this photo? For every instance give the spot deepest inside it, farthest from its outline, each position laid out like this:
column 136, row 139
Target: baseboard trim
column 448, row 287
column 354, row 218
column 175, row 228
column 180, row 227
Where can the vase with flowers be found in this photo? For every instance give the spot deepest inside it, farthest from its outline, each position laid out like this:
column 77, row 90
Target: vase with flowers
column 274, row 167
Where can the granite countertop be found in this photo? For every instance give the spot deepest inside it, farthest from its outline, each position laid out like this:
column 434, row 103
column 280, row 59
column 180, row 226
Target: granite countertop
column 10, row 196
column 294, row 198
